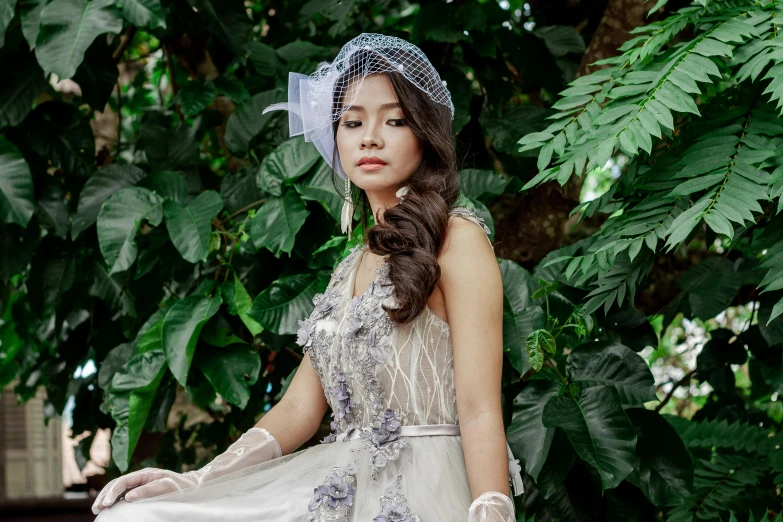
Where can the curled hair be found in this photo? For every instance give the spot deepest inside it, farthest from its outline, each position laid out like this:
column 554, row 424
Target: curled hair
column 411, row 234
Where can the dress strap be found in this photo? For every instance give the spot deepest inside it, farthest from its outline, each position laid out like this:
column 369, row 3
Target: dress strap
column 470, row 215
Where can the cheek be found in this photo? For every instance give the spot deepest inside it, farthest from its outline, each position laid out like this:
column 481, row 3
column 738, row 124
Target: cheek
column 410, row 149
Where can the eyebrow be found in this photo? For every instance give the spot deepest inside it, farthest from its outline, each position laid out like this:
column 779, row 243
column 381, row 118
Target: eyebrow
column 392, row 105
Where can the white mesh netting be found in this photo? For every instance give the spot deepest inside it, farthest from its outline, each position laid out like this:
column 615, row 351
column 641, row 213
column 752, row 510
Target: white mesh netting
column 318, row 100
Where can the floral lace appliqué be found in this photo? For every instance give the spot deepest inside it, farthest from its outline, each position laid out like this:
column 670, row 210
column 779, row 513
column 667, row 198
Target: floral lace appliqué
column 383, row 442
column 333, row 500
column 394, row 506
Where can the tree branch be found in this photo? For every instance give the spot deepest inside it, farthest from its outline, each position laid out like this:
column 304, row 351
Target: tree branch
column 127, row 39
column 685, row 380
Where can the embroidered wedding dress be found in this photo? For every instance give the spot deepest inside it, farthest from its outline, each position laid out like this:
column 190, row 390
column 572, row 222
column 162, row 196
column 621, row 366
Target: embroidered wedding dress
column 394, row 454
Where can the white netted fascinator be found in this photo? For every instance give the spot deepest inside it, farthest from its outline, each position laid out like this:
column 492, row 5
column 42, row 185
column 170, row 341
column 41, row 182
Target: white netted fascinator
column 316, row 101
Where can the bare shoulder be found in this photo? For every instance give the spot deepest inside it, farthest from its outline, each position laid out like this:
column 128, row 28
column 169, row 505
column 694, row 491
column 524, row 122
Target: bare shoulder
column 465, row 249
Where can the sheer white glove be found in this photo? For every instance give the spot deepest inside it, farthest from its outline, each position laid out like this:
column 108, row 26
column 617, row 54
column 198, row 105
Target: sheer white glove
column 255, row 446
column 492, row 506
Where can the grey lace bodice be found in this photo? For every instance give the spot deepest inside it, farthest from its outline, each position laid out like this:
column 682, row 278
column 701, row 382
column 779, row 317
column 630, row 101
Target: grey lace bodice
column 377, row 374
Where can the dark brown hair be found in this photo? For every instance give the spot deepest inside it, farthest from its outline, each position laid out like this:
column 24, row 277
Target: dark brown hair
column 411, row 233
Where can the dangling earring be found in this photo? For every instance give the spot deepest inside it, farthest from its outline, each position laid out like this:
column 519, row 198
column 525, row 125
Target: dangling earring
column 347, row 215
column 402, row 192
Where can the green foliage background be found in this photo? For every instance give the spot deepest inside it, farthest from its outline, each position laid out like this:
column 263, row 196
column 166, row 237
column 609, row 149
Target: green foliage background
column 155, row 223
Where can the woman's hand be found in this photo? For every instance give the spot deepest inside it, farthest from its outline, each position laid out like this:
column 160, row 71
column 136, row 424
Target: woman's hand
column 145, row 483
column 255, row 446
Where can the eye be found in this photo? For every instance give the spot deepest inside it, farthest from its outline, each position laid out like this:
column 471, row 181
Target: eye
column 398, row 122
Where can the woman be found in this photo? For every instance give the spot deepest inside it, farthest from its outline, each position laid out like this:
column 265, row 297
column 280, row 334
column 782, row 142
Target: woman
column 405, row 343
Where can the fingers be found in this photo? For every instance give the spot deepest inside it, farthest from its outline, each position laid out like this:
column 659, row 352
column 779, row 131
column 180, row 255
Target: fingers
column 153, row 489
column 112, row 491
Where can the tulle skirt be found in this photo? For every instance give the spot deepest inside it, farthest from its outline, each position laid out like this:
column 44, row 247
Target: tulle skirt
column 434, row 483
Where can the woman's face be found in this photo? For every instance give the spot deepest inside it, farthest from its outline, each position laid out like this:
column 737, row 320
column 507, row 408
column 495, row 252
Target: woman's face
column 374, row 127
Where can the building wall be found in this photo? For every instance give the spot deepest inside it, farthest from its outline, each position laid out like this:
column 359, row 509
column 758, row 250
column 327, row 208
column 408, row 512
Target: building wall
column 30, row 451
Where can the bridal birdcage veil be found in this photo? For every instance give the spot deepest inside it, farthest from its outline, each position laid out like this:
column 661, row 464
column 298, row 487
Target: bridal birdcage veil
column 318, row 100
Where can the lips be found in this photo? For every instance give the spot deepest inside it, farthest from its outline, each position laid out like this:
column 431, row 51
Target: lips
column 372, row 161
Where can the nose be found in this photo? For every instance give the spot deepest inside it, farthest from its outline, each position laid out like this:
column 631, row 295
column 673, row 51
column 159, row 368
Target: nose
column 371, row 137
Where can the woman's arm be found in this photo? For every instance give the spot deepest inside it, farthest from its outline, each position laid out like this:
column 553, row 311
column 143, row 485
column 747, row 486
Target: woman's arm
column 296, row 418
column 473, row 292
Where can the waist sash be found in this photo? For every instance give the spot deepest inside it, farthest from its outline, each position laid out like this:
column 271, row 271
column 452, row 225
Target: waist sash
column 429, row 430
column 421, row 430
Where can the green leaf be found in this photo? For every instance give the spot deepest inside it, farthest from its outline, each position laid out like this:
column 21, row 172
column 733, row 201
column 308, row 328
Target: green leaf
column 711, row 286
column 231, row 371
column 170, row 149
column 687, row 221
column 243, row 305
column 141, row 399
column 598, row 429
column 19, row 90
column 287, row 300
column 561, row 39
column 30, row 14
column 318, row 186
column 189, row 227
column 300, row 50
column 718, row 222
column 7, row 8
column 113, row 291
column 246, row 121
column 101, row 185
column 195, row 96
column 17, row 201
column 264, row 58
column 545, row 156
column 180, row 329
column 476, row 183
column 658, row 5
column 167, row 184
column 68, row 27
column 519, row 318
column 118, row 221
column 277, row 222
column 527, row 436
column 541, row 341
column 663, row 468
column 603, row 363
column 113, row 363
column 698, row 184
column 289, row 161
column 144, row 13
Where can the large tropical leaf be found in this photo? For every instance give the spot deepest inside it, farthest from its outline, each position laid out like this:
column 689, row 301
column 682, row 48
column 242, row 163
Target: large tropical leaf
column 663, row 468
column 600, row 363
column 190, row 226
column 286, row 301
column 180, row 329
column 19, row 90
column 119, row 220
column 277, row 222
column 144, row 13
column 318, row 186
column 68, row 27
column 286, row 163
column 232, row 370
column 98, row 189
column 247, row 121
column 519, row 319
column 598, row 429
column 16, row 186
column 7, row 8
column 527, row 436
